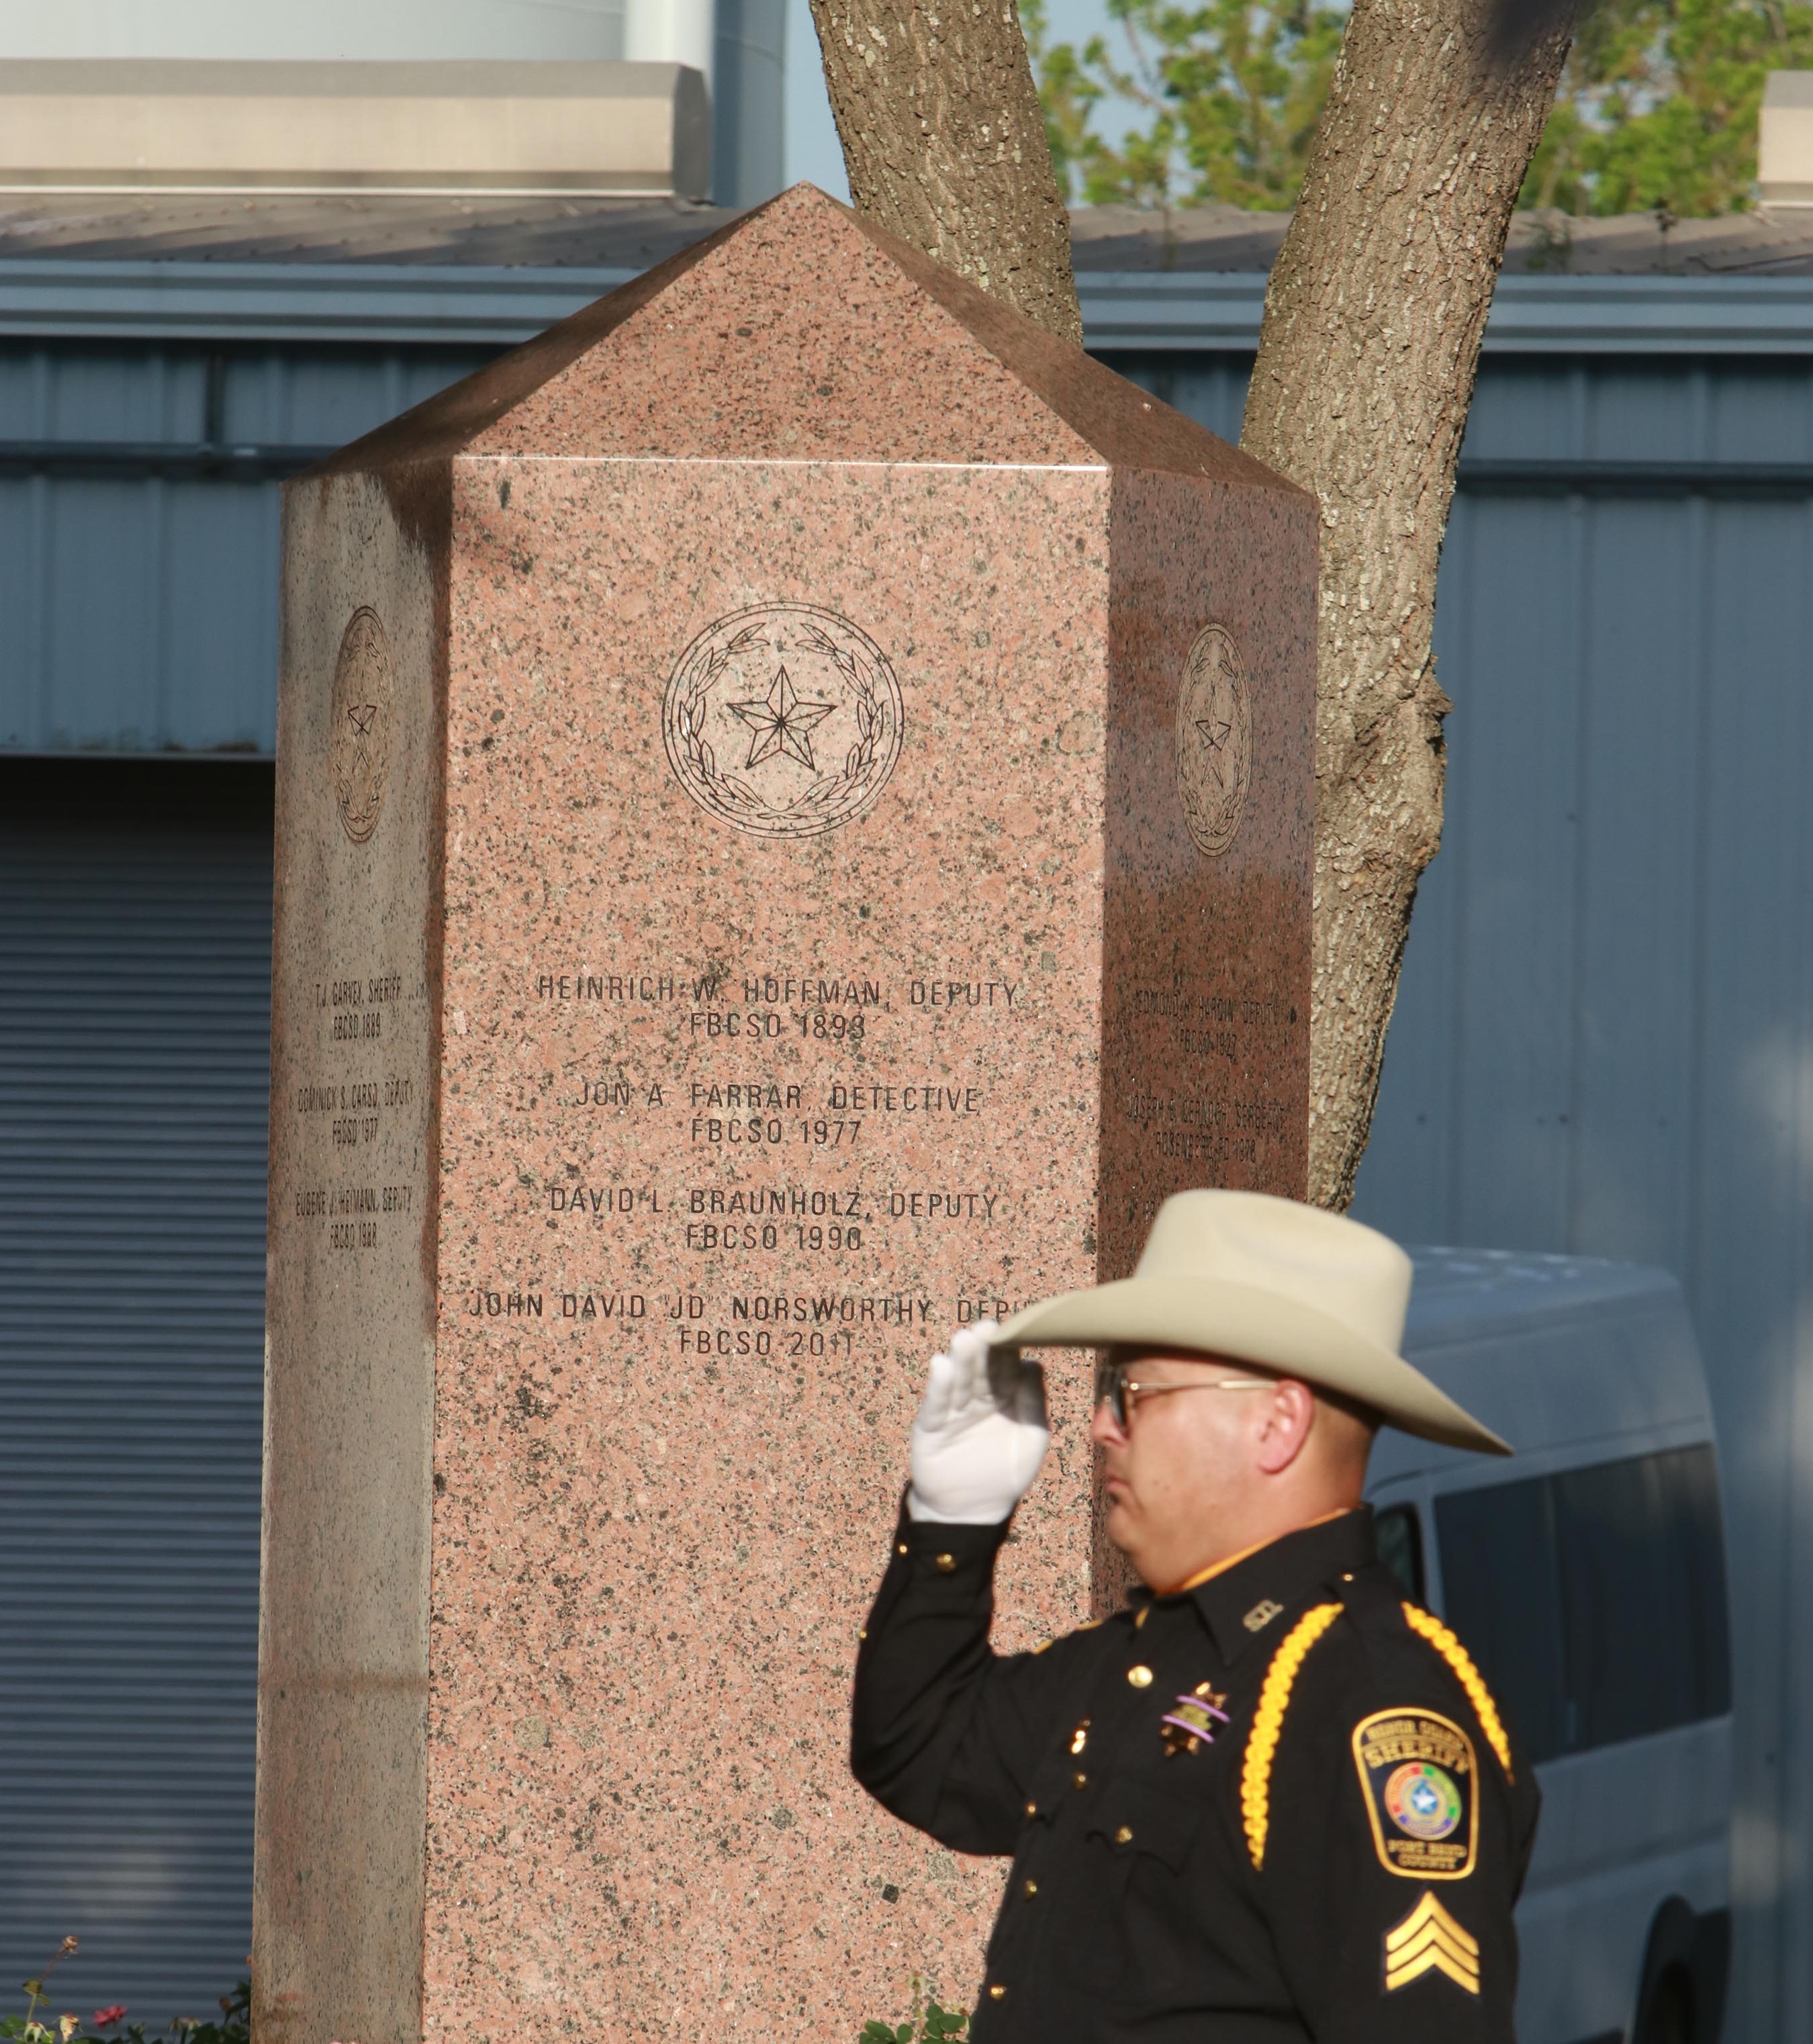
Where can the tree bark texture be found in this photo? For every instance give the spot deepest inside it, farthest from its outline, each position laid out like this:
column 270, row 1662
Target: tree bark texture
column 1365, row 370
column 944, row 140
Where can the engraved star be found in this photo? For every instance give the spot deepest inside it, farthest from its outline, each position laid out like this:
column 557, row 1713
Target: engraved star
column 1214, row 733
column 360, row 718
column 781, row 724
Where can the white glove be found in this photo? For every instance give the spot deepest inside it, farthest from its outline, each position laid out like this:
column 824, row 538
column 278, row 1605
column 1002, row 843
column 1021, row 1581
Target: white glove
column 981, row 1434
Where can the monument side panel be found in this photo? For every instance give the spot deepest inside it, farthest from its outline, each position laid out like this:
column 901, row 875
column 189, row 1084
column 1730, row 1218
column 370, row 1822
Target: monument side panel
column 349, row 1371
column 774, row 826
column 1210, row 810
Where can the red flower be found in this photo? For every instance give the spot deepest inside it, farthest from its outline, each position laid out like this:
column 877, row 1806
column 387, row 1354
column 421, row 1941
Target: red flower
column 106, row 2018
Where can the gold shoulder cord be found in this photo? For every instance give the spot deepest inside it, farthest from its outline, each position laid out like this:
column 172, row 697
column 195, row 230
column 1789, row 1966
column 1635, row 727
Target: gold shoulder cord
column 1457, row 1658
column 1268, row 1721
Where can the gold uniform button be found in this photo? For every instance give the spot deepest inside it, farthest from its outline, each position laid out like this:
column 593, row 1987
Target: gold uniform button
column 901, row 1549
column 997, row 1993
column 1081, row 1780
column 1124, row 1835
column 946, row 1565
column 1141, row 1676
column 1032, row 1809
column 1032, row 1889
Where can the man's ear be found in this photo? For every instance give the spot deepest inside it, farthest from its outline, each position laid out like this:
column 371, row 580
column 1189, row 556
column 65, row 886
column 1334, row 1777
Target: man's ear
column 1289, row 1414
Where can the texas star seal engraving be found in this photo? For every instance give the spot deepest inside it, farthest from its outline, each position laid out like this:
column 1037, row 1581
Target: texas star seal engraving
column 1215, row 740
column 783, row 720
column 362, row 712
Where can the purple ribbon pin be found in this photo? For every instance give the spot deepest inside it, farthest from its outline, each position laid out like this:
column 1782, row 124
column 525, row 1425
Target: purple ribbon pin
column 1192, row 1715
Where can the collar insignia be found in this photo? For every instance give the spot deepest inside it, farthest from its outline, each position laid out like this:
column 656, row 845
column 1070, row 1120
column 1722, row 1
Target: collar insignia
column 1261, row 1615
column 1192, row 1722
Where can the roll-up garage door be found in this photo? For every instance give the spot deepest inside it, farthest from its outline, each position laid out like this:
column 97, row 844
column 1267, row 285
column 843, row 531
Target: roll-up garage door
column 135, row 936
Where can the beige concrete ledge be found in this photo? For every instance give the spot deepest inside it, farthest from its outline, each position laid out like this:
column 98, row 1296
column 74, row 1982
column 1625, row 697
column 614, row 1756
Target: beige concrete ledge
column 601, row 130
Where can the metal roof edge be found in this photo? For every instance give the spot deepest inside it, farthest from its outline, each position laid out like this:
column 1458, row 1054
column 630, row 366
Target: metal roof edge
column 370, row 302
column 1539, row 314
column 463, row 304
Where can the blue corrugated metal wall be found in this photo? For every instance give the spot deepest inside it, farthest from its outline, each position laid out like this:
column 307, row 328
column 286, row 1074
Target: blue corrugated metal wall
column 134, row 1005
column 1603, row 1041
column 1605, row 1036
column 138, row 530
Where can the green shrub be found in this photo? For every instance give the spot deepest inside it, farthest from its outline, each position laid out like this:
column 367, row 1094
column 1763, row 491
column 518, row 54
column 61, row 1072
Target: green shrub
column 927, row 2024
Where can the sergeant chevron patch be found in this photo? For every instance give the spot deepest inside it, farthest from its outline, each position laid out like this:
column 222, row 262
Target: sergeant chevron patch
column 1429, row 1940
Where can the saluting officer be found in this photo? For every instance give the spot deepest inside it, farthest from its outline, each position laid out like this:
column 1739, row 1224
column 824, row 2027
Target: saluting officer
column 1271, row 1798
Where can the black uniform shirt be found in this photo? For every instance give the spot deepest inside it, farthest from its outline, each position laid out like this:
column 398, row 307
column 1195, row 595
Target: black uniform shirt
column 1281, row 1805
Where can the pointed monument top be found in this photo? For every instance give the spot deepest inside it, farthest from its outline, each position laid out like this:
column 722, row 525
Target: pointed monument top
column 800, row 332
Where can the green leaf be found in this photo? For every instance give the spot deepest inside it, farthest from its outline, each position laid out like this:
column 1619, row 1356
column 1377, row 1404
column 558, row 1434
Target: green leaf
column 1656, row 109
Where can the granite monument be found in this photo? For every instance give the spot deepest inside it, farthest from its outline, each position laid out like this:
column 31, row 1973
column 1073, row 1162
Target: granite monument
column 794, row 796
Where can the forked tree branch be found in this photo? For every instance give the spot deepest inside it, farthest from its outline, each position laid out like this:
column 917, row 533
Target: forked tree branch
column 1373, row 317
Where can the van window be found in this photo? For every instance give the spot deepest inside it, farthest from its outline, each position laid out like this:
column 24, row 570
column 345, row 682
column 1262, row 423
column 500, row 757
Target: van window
column 1398, row 1533
column 1593, row 1600
column 1690, row 1476
column 1501, row 1581
column 1639, row 1662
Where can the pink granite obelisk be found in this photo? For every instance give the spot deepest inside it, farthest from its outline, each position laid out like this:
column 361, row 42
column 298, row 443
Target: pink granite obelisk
column 794, row 796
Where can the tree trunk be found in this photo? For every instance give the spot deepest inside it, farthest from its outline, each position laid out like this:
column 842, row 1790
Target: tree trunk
column 1365, row 373
column 1365, row 369
column 944, row 140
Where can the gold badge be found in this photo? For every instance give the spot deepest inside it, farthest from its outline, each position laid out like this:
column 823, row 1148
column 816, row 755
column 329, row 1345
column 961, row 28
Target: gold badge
column 1192, row 1721
column 1429, row 1940
column 1417, row 1773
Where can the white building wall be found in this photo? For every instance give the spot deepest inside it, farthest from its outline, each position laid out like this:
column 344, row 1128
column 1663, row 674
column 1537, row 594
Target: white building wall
column 548, row 30
column 739, row 45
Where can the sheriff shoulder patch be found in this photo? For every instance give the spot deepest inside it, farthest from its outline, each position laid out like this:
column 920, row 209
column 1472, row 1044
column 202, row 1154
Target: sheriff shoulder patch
column 1421, row 1786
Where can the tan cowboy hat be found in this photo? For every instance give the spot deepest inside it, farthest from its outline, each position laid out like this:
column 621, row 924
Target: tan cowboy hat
column 1289, row 1287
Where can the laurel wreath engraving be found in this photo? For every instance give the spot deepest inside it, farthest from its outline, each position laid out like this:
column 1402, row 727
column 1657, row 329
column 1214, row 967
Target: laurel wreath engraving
column 690, row 712
column 359, row 716
column 1214, row 815
column 831, row 797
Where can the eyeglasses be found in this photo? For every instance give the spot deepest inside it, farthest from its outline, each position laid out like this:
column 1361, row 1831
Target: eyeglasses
column 1124, row 1392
